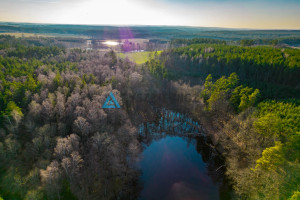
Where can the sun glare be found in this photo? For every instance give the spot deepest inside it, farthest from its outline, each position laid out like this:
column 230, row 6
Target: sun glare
column 111, row 43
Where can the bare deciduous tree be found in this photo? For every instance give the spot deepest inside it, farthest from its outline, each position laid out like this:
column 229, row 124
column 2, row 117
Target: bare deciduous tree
column 82, row 127
column 65, row 146
column 51, row 177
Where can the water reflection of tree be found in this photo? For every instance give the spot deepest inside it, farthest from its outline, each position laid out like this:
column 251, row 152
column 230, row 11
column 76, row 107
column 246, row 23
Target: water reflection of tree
column 169, row 123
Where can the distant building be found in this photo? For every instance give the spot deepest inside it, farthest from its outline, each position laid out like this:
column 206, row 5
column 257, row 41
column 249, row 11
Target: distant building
column 89, row 42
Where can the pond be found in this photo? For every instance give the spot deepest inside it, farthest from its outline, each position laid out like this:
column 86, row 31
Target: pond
column 179, row 167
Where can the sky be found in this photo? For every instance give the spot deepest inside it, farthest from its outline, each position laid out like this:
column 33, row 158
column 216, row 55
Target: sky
column 253, row 14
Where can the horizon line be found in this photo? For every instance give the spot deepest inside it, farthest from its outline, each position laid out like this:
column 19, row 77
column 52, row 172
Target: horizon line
column 186, row 26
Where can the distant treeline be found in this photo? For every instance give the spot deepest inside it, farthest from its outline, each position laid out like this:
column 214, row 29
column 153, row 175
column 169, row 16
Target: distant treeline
column 11, row 41
column 244, row 42
column 280, row 41
column 161, row 32
column 179, row 42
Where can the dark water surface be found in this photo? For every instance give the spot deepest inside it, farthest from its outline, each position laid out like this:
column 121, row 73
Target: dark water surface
column 176, row 167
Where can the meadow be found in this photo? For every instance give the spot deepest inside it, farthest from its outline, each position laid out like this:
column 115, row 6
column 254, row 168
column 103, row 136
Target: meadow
column 139, row 57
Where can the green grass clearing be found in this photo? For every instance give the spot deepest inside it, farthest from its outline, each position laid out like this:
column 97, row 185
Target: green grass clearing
column 139, row 57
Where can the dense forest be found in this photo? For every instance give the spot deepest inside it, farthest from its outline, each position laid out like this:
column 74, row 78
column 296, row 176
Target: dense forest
column 275, row 71
column 56, row 142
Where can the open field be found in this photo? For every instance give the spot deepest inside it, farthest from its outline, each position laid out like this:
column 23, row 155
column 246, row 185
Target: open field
column 18, row 35
column 139, row 57
column 136, row 40
column 27, row 35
